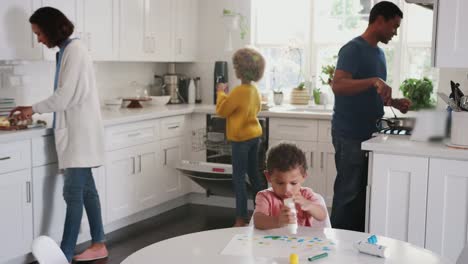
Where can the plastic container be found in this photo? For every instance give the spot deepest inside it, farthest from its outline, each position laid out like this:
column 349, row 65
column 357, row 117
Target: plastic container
column 371, row 249
column 292, row 228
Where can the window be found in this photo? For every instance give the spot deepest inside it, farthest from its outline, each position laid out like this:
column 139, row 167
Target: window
column 299, row 37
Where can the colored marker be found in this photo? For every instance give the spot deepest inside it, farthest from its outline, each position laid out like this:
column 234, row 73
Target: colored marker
column 319, row 256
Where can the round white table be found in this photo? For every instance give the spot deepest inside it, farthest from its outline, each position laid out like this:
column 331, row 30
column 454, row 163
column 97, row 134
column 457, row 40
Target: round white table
column 206, row 247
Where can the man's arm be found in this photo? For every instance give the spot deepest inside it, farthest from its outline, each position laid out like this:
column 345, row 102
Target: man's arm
column 344, row 84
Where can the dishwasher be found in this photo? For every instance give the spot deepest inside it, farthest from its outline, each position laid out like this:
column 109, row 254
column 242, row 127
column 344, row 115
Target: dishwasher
column 215, row 174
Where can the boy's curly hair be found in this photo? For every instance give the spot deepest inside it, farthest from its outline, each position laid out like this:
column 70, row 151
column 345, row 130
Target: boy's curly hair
column 284, row 157
column 249, row 64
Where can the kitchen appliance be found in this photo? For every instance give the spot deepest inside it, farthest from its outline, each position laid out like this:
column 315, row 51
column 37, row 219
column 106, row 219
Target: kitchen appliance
column 220, row 75
column 174, row 83
column 215, row 175
column 396, row 125
column 198, row 95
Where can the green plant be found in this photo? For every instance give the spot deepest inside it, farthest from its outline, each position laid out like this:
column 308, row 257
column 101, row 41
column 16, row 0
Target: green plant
column 242, row 21
column 316, row 93
column 301, row 86
column 327, row 74
column 419, row 91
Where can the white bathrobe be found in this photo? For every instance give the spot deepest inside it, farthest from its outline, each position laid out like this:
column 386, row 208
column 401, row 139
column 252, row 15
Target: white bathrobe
column 79, row 134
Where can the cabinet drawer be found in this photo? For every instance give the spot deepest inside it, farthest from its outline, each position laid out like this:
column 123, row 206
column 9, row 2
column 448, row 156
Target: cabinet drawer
column 324, row 131
column 123, row 136
column 15, row 156
column 293, row 129
column 173, row 126
column 43, row 151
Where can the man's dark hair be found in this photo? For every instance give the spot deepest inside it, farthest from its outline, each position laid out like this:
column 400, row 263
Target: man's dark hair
column 284, row 157
column 53, row 24
column 387, row 10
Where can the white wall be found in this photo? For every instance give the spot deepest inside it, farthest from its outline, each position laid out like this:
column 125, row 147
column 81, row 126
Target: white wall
column 211, row 36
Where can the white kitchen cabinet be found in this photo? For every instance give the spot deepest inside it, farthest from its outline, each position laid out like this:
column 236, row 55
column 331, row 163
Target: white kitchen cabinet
column 186, row 30
column 145, row 30
column 49, row 206
column 450, row 37
column 99, row 28
column 131, row 180
column 171, row 179
column 399, row 197
column 17, row 41
column 447, row 207
column 313, row 137
column 16, row 219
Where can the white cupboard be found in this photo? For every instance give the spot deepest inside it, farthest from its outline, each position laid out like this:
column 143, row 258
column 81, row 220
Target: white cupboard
column 398, row 197
column 171, row 179
column 186, row 30
column 314, row 138
column 17, row 41
column 447, row 207
column 16, row 208
column 450, row 38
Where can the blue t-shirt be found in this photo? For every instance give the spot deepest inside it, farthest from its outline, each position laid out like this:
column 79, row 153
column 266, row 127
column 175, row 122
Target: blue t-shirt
column 355, row 116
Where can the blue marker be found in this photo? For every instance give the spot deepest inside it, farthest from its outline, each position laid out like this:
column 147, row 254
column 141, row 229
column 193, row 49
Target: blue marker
column 372, row 239
column 319, row 256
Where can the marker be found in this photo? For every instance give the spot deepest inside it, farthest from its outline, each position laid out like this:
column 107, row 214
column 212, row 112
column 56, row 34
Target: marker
column 319, row 256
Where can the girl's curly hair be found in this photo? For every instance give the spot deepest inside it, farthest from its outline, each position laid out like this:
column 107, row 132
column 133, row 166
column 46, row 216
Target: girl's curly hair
column 249, row 64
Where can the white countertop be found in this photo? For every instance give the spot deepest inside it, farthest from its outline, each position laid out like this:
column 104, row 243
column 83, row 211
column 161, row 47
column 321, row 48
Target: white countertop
column 402, row 145
column 126, row 115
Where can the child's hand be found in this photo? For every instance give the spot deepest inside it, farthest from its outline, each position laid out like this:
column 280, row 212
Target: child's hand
column 221, row 87
column 286, row 216
column 305, row 204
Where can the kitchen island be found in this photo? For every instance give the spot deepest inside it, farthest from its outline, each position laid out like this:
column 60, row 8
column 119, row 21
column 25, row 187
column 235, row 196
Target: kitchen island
column 418, row 192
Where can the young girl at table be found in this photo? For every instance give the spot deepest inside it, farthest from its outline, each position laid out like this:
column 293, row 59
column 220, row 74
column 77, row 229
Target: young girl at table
column 240, row 108
column 286, row 170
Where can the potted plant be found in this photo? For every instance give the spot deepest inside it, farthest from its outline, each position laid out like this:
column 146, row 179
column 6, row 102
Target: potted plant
column 327, row 74
column 317, row 94
column 236, row 21
column 419, row 91
column 300, row 95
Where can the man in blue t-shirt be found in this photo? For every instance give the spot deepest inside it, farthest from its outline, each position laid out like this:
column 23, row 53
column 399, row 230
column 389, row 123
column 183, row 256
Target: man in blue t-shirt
column 360, row 95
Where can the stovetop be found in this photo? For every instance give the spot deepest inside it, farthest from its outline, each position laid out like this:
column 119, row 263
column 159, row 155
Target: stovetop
column 395, row 131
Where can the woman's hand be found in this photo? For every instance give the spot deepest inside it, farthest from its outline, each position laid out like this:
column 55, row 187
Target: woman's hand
column 221, row 87
column 26, row 112
column 402, row 104
column 286, row 216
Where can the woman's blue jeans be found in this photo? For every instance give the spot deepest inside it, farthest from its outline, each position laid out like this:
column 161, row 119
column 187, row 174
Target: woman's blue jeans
column 245, row 161
column 79, row 189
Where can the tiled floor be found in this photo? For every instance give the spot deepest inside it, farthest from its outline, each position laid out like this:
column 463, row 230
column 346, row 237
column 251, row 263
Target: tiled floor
column 182, row 220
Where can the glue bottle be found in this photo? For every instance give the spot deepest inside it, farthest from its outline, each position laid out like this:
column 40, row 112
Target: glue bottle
column 290, row 203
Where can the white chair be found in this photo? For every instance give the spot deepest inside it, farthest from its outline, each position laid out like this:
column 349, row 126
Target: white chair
column 321, row 224
column 46, row 251
column 463, row 258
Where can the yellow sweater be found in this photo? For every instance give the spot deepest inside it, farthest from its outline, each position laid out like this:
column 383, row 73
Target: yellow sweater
column 240, row 108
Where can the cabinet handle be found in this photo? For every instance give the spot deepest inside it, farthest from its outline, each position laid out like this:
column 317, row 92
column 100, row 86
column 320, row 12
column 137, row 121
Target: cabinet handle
column 134, row 134
column 145, row 45
column 173, row 127
column 133, row 170
column 179, row 44
column 139, row 161
column 28, row 192
column 311, row 160
column 153, row 44
column 5, row 158
column 165, row 157
column 88, row 40
column 321, row 160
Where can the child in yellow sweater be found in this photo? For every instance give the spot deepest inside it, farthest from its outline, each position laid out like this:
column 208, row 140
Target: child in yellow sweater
column 240, row 108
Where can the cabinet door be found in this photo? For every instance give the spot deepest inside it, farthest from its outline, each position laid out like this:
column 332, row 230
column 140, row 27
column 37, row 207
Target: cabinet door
column 149, row 176
column 451, row 38
column 171, row 155
column 17, row 41
column 16, row 208
column 327, row 169
column 186, row 23
column 99, row 32
column 70, row 9
column 120, row 183
column 398, row 197
column 159, row 30
column 133, row 42
column 447, row 207
column 49, row 205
